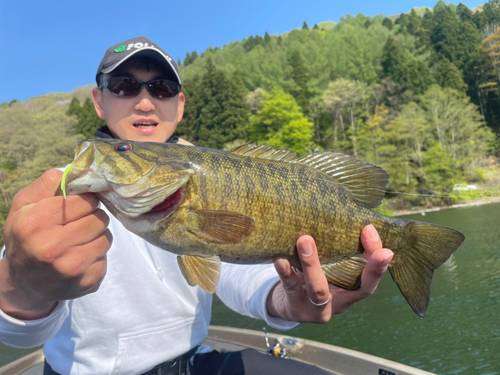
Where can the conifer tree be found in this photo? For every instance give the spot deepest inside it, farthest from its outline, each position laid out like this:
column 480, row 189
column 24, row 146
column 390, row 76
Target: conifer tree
column 267, row 38
column 188, row 59
column 489, row 16
column 304, row 26
column 217, row 113
column 87, row 120
column 448, row 75
column 455, row 40
column 398, row 64
column 387, row 23
column 300, row 77
column 185, row 128
column 464, row 13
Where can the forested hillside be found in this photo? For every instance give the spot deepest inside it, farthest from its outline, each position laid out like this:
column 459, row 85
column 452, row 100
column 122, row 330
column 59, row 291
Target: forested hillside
column 416, row 93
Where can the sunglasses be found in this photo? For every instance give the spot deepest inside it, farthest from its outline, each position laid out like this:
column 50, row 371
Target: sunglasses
column 128, row 87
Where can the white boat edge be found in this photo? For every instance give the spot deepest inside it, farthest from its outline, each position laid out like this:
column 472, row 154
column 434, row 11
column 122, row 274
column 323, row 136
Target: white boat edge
column 338, row 360
column 333, row 358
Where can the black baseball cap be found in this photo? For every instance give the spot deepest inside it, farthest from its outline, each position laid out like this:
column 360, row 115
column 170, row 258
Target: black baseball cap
column 121, row 52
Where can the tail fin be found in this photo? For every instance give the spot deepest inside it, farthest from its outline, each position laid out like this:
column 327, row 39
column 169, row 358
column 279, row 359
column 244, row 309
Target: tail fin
column 423, row 248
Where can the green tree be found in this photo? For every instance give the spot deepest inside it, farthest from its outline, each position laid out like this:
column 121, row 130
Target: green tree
column 218, row 113
column 448, row 75
column 409, row 22
column 187, row 60
column 185, row 128
column 388, row 23
column 254, row 100
column 464, row 13
column 412, row 133
column 457, row 41
column 300, row 77
column 398, row 64
column 491, row 47
column 346, row 101
column 373, row 136
column 267, row 38
column 281, row 123
column 489, row 16
column 87, row 120
column 457, row 124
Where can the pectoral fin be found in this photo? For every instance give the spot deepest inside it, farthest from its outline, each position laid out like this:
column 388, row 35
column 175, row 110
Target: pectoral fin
column 204, row 272
column 220, row 226
column 345, row 274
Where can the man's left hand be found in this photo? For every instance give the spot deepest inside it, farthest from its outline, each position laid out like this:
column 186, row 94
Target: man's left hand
column 291, row 298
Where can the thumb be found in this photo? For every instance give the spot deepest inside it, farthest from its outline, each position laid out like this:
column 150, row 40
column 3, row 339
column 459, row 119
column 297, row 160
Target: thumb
column 43, row 187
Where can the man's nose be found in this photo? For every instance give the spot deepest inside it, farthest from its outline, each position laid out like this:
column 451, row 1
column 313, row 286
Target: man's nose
column 145, row 103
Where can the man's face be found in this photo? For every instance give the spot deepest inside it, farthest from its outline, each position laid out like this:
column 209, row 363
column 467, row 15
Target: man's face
column 142, row 117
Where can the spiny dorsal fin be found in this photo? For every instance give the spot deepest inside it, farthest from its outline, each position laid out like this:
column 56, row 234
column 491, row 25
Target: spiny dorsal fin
column 365, row 181
column 204, row 272
column 263, row 152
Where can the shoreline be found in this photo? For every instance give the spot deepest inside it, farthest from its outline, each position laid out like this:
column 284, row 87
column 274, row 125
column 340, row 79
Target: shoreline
column 423, row 210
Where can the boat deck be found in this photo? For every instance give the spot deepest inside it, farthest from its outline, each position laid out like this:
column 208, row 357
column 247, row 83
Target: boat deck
column 336, row 360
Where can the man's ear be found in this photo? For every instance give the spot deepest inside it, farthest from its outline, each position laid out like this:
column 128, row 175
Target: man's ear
column 181, row 100
column 97, row 98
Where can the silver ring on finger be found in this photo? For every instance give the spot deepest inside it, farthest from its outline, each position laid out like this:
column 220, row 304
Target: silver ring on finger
column 322, row 303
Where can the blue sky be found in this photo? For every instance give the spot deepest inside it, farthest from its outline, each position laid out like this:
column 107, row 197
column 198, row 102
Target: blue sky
column 56, row 45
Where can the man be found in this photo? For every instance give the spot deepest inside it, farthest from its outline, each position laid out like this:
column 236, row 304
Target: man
column 104, row 301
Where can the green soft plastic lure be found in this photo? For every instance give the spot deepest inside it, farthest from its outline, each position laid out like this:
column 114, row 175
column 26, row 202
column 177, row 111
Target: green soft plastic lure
column 63, row 181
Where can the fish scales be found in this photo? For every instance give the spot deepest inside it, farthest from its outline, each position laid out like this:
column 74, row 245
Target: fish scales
column 280, row 209
column 250, row 205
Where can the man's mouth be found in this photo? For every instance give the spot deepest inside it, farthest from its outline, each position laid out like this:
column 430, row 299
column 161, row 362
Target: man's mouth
column 145, row 125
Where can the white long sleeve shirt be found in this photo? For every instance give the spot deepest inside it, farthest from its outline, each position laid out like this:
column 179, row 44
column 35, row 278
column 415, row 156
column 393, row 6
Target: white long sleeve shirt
column 143, row 314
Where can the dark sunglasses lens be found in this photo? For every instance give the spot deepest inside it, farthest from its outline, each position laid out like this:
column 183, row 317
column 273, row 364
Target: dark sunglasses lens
column 124, row 86
column 162, row 88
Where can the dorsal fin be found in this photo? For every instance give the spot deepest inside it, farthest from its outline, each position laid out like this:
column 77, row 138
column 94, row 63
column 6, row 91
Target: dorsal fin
column 263, row 152
column 365, row 181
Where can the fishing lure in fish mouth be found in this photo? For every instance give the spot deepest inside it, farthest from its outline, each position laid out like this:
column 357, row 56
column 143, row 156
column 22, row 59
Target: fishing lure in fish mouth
column 63, row 181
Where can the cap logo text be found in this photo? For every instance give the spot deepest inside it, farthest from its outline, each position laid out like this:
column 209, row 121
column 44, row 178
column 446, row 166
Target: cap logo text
column 138, row 45
column 124, row 47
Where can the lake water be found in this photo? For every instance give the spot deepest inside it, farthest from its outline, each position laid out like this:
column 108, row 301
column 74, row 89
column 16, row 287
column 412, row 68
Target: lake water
column 460, row 333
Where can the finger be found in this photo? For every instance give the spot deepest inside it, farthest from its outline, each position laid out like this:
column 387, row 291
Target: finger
column 373, row 272
column 289, row 280
column 43, row 187
column 75, row 234
column 77, row 263
column 315, row 280
column 88, row 227
column 58, row 211
column 370, row 240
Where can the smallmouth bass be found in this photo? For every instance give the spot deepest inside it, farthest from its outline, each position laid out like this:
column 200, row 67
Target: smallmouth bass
column 251, row 204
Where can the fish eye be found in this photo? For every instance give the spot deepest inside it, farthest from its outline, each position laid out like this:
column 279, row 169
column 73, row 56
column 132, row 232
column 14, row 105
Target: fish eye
column 123, row 147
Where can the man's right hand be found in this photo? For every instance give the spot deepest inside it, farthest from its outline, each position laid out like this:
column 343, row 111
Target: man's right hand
column 55, row 249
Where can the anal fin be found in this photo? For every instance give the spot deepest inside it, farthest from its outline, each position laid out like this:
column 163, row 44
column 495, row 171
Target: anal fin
column 204, row 272
column 345, row 274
